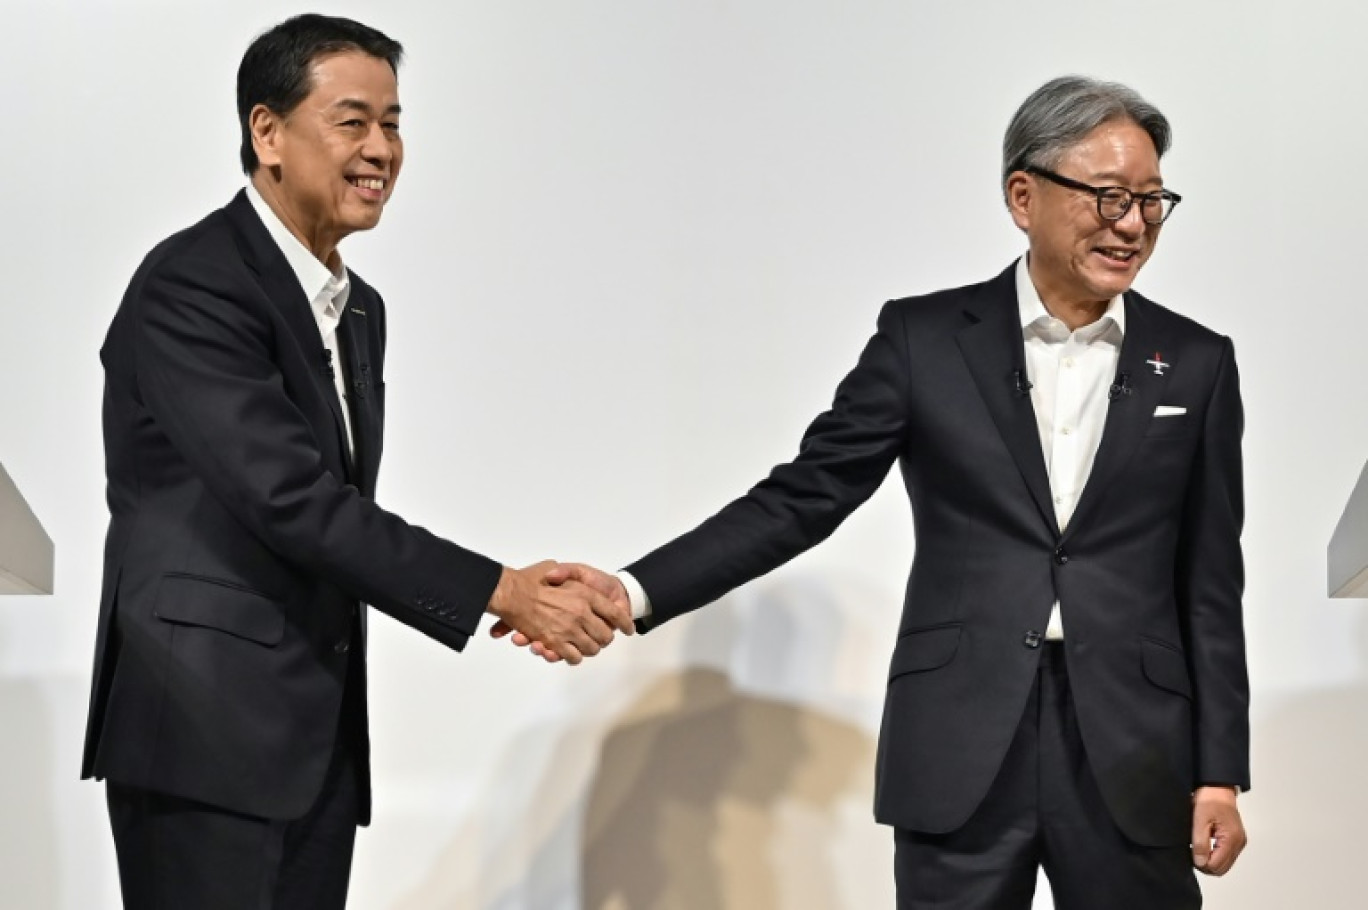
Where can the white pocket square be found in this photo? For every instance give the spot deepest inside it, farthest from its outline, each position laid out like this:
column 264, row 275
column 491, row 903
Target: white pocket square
column 1168, row 410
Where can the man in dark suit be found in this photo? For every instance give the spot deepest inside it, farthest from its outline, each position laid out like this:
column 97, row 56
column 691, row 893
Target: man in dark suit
column 244, row 404
column 1068, row 689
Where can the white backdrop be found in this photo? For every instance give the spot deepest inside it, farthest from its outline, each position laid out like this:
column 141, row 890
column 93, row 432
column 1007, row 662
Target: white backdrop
column 634, row 248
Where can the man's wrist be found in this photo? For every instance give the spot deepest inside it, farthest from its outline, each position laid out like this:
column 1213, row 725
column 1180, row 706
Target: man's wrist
column 636, row 594
column 1217, row 791
column 498, row 600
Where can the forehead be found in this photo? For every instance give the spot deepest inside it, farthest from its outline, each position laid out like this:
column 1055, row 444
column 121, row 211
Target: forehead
column 352, row 75
column 1118, row 147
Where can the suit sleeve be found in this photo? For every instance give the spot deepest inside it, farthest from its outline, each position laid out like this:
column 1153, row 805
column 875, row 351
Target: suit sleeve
column 844, row 456
column 1210, row 587
column 208, row 376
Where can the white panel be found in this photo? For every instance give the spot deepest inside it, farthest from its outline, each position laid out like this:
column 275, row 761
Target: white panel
column 26, row 554
column 1348, row 552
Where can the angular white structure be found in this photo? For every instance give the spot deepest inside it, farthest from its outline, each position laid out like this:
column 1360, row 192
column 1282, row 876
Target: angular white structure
column 26, row 554
column 1348, row 553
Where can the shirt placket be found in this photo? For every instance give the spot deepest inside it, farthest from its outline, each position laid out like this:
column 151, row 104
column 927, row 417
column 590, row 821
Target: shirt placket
column 328, row 325
column 1068, row 423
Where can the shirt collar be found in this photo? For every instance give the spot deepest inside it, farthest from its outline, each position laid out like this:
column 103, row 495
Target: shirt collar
column 1034, row 315
column 327, row 290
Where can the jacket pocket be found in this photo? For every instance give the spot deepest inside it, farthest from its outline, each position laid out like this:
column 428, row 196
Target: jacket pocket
column 924, row 649
column 1172, row 425
column 1165, row 666
column 212, row 603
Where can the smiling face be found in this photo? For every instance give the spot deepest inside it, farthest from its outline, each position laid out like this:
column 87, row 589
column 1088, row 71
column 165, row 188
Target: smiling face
column 329, row 165
column 1078, row 259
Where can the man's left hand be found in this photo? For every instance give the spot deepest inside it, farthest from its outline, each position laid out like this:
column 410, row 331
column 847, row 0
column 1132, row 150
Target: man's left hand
column 1218, row 834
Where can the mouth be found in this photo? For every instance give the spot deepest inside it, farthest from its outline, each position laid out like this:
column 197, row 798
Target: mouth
column 372, row 189
column 1116, row 255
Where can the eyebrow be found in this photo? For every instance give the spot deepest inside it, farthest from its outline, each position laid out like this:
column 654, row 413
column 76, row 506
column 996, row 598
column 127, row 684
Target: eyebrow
column 355, row 104
column 1120, row 179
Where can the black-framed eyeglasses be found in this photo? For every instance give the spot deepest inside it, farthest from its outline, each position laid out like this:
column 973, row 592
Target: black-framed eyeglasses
column 1113, row 202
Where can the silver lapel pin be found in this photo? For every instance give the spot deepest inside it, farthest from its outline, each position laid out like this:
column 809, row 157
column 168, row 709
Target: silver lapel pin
column 1158, row 364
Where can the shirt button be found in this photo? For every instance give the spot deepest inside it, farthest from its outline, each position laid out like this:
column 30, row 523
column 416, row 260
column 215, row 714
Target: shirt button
column 1068, row 361
column 1059, row 500
column 1065, row 431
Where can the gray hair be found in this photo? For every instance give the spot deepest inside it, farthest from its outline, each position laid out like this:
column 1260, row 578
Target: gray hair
column 1059, row 114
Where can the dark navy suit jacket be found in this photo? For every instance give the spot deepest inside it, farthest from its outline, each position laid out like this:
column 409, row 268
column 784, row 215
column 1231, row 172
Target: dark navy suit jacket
column 1148, row 574
column 243, row 541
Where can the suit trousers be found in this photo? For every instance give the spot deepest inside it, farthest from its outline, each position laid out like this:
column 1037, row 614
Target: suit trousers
column 176, row 853
column 1044, row 810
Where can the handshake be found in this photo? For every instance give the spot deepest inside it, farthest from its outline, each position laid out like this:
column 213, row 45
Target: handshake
column 564, row 611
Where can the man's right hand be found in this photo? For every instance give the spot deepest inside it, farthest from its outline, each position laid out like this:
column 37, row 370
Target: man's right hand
column 604, row 583
column 569, row 618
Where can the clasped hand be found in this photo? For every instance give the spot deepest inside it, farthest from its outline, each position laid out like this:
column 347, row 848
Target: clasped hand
column 565, row 611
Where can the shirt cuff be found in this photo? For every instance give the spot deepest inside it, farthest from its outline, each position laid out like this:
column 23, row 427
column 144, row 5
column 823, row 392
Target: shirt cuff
column 641, row 604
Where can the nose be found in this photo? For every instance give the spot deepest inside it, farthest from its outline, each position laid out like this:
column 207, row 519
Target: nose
column 378, row 149
column 1132, row 224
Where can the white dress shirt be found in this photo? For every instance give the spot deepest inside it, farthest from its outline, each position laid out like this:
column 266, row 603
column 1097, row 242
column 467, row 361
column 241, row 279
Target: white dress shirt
column 327, row 292
column 1070, row 375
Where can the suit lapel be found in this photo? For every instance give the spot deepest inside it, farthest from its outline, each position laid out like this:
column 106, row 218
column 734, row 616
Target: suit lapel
column 281, row 285
column 354, row 337
column 1129, row 415
column 992, row 347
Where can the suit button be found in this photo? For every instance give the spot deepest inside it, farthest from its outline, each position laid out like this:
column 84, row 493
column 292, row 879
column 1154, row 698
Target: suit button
column 342, row 647
column 1061, row 556
column 1033, row 639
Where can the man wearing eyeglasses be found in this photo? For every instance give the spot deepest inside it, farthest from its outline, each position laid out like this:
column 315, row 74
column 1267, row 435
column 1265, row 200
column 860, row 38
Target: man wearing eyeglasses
column 1068, row 689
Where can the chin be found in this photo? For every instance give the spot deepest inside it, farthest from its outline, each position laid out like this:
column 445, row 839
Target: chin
column 1105, row 287
column 363, row 222
column 1107, row 292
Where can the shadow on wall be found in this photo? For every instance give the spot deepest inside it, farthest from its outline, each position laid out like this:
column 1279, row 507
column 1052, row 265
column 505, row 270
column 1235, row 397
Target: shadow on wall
column 685, row 809
column 707, row 795
column 28, row 837
column 1306, row 812
column 700, row 793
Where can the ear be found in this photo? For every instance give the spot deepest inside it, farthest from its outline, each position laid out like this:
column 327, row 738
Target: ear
column 265, row 125
column 1021, row 192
